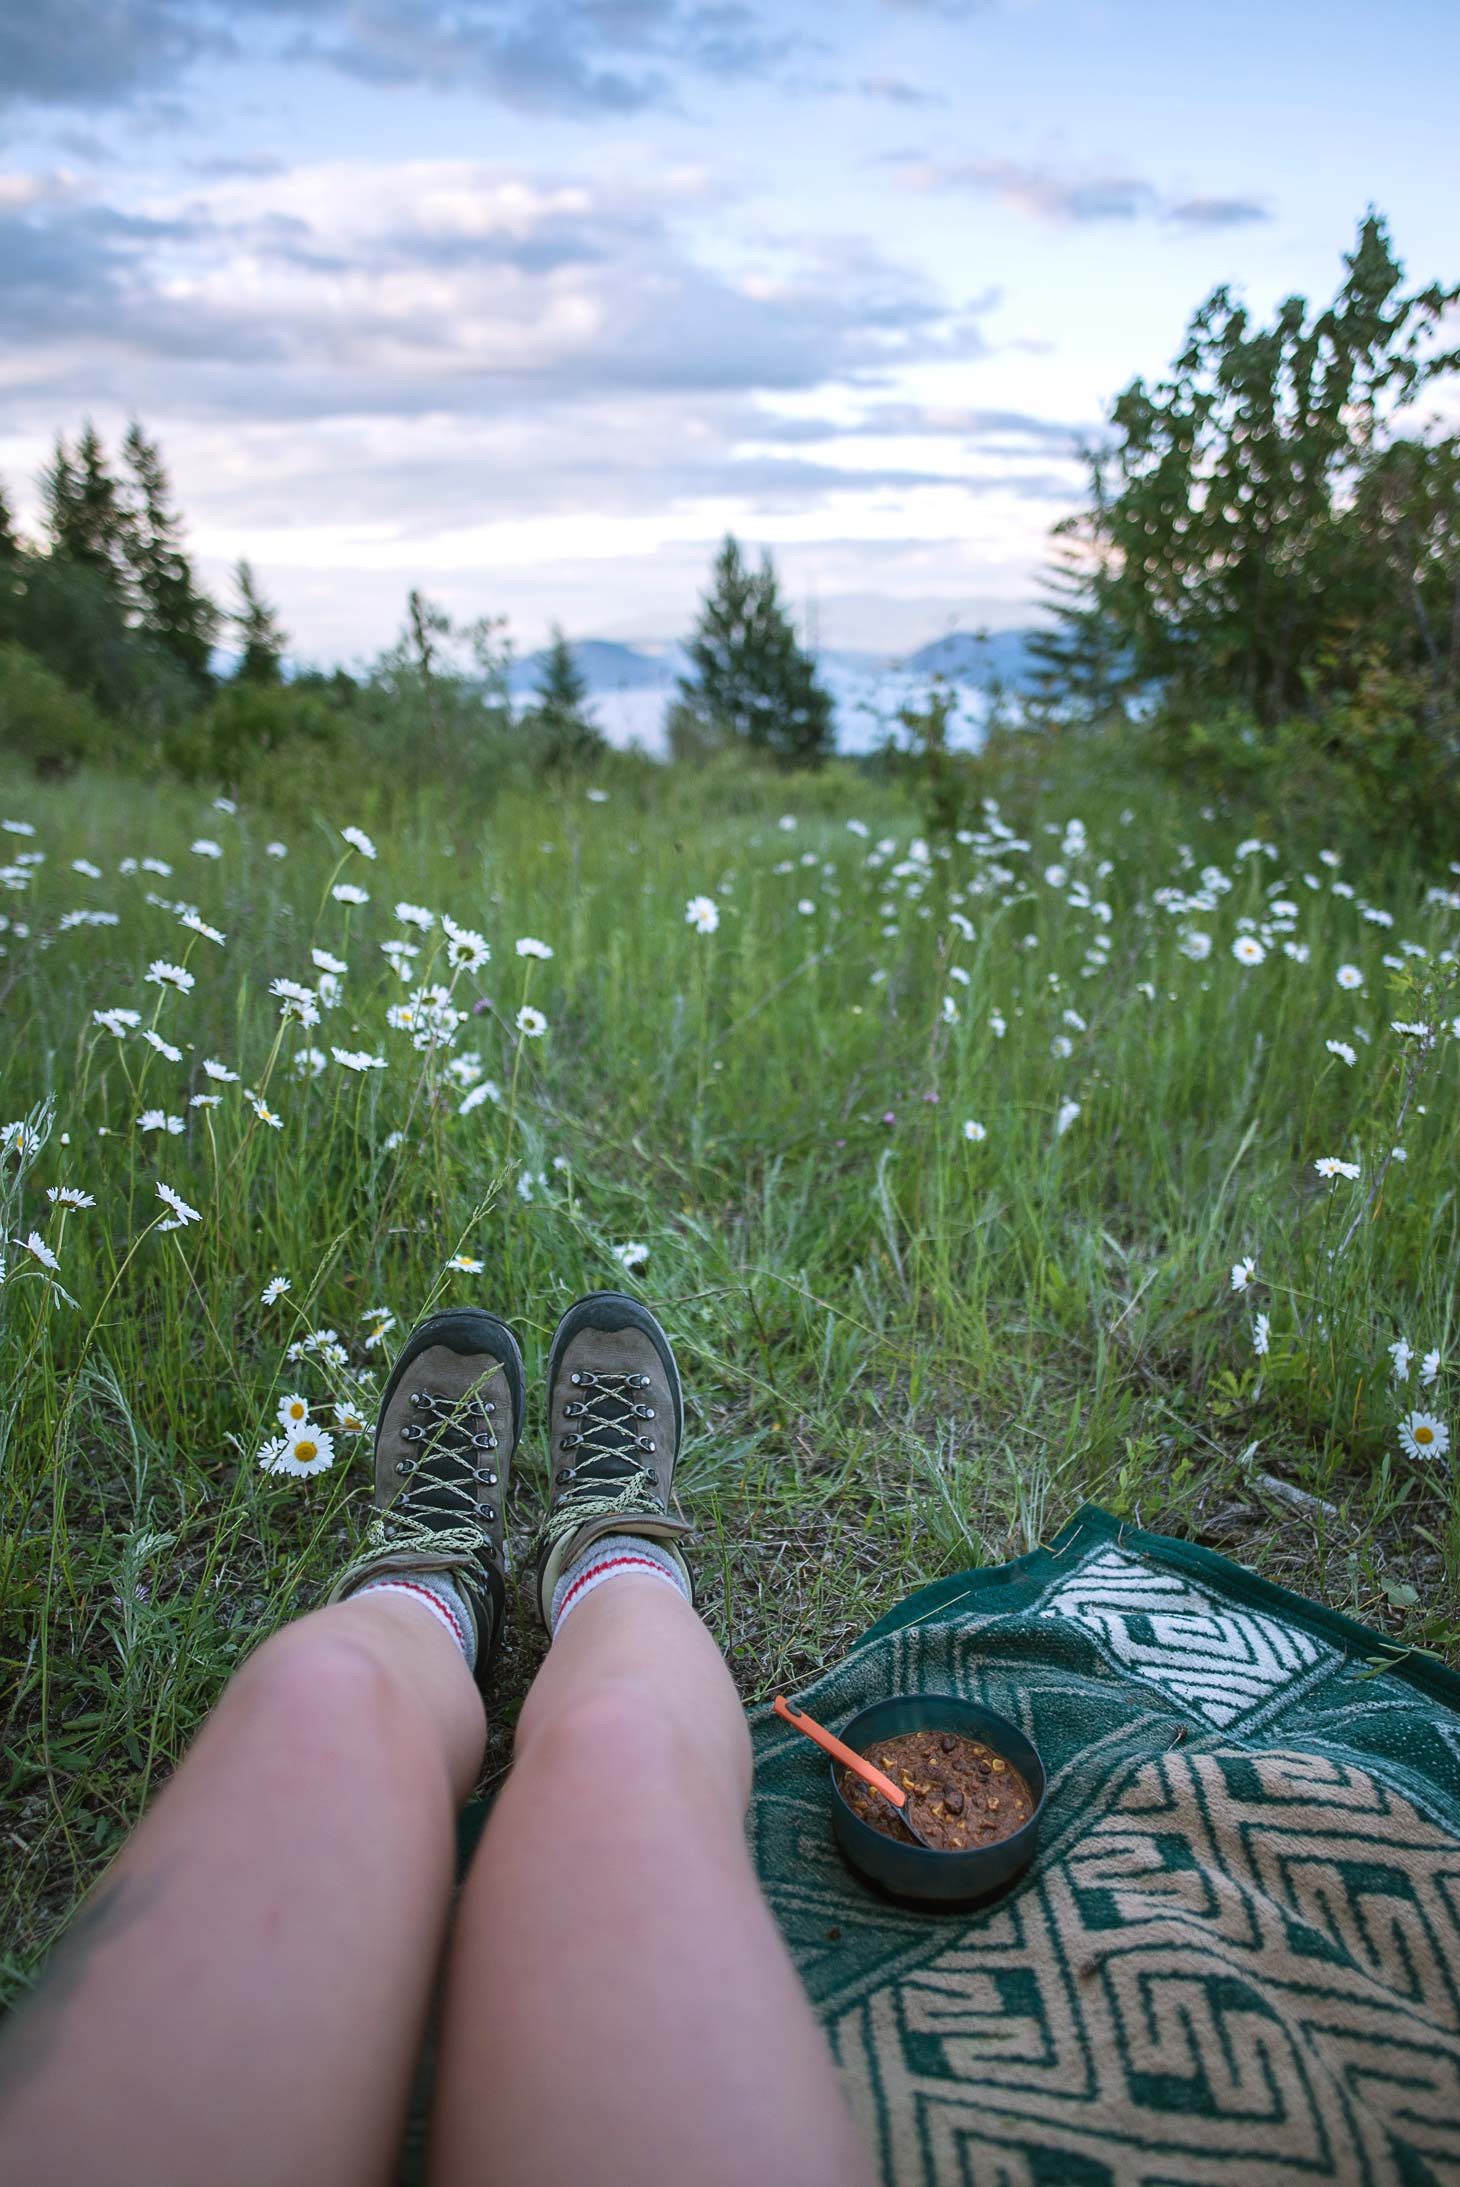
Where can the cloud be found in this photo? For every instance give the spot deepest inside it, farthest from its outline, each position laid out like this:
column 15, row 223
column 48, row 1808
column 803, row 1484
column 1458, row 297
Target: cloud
column 898, row 93
column 1044, row 195
column 571, row 57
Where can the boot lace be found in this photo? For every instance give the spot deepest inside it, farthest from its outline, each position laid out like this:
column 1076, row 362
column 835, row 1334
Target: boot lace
column 444, row 1511
column 611, row 1474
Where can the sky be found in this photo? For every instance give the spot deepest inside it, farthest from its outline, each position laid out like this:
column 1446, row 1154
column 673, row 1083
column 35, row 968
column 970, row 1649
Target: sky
column 528, row 302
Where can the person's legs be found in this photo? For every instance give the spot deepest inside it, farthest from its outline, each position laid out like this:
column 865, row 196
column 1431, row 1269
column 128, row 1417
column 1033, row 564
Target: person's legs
column 242, row 1997
column 620, row 2007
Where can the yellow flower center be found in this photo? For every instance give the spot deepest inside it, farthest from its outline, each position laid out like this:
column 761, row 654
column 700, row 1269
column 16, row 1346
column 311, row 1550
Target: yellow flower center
column 296, row 1412
column 1424, row 1435
column 306, row 1452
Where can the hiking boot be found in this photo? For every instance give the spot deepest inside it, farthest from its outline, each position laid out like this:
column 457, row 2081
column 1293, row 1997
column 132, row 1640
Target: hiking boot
column 615, row 1418
column 449, row 1422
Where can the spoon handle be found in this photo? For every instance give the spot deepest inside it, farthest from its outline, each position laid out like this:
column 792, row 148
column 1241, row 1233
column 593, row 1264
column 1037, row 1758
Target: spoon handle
column 800, row 1721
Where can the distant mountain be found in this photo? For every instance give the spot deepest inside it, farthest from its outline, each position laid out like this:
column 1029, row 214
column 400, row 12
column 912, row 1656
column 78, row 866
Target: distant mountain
column 629, row 687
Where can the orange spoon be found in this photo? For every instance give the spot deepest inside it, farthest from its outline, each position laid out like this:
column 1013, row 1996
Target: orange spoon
column 841, row 1752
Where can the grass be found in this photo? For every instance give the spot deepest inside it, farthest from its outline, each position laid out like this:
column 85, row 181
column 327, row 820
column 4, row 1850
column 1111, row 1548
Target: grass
column 906, row 1351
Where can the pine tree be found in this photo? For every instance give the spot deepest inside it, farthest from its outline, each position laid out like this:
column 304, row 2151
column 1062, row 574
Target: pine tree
column 568, row 735
column 85, row 516
column 9, row 539
column 257, row 623
column 752, row 681
column 182, row 619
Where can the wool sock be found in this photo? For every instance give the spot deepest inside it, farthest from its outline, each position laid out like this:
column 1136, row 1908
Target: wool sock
column 603, row 1560
column 438, row 1594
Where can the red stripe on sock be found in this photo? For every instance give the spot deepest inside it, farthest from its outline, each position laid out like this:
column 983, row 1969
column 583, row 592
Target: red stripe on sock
column 409, row 1587
column 609, row 1564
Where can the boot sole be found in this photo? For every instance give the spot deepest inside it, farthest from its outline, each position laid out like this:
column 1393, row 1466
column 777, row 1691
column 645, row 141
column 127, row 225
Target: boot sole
column 616, row 1310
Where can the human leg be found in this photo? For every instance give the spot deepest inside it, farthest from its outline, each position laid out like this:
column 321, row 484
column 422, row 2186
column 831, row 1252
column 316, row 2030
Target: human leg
column 242, row 1996
column 620, row 2006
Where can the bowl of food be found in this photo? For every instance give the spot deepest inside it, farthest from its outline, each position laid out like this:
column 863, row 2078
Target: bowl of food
column 974, row 1790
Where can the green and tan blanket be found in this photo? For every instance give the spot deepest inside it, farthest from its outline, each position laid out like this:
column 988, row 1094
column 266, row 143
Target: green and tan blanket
column 1236, row 1958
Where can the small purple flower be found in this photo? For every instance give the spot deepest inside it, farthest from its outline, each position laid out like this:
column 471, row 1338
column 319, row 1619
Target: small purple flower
column 889, row 1117
column 931, row 1097
column 480, row 1007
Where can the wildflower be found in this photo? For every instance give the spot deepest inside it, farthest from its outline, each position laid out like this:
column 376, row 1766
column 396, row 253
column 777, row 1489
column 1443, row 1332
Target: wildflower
column 528, row 947
column 182, row 1213
column 632, row 1256
column 1401, row 1355
column 1342, row 1050
column 858, row 827
column 312, row 1450
column 345, row 892
column 205, row 847
column 159, row 1120
column 359, row 840
column 220, row 1071
column 977, row 1133
column 163, row 974
column 416, row 915
column 1416, row 1026
column 1261, row 1334
column 1329, row 1165
column 528, row 1183
column 276, row 850
column 324, row 962
column 1247, row 949
column 163, row 1047
column 465, row 1265
column 487, row 1090
column 1429, row 1367
column 1298, row 951
column 998, row 1024
column 199, row 925
column 117, row 1022
column 69, row 1196
column 1244, row 1272
column 1423, row 1436
column 84, row 865
column 1068, row 1111
column 531, row 1023
column 309, row 1063
column 787, row 821
column 378, row 1326
column 1057, row 876
column 702, row 913
column 957, row 972
column 596, row 797
column 349, row 1420
column 227, row 805
column 1349, row 975
column 36, row 1245
column 806, row 906
column 264, row 1113
column 206, row 1101
column 466, row 949
column 17, row 827
column 358, row 1059
column 293, row 1411
column 1196, row 945
column 400, row 955
column 274, row 1289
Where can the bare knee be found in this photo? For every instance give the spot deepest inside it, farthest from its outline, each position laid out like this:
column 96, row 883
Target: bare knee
column 322, row 1683
column 623, row 1731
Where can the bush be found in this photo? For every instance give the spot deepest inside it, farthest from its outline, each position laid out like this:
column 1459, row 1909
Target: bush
column 239, row 739
column 43, row 722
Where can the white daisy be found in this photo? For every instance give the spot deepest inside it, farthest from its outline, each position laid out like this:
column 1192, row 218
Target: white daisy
column 1329, row 1165
column 163, row 974
column 276, row 850
column 1244, row 1272
column 349, row 1420
column 293, row 1411
column 358, row 1059
column 206, row 1101
column 596, row 797
column 975, row 1132
column 309, row 1063
column 1429, row 1369
column 84, row 865
column 219, row 1071
column 274, row 1289
column 1349, row 975
column 488, row 1090
column 116, row 1022
column 36, row 1245
column 378, row 1326
column 1261, row 1335
column 998, row 1024
column 205, row 847
column 309, row 1450
column 1342, row 1050
column 1068, row 1111
column 324, row 962
column 1247, row 949
column 702, row 913
column 264, row 1113
column 159, row 1120
column 199, row 925
column 69, row 1196
column 1401, row 1355
column 529, row 946
column 530, row 1023
column 632, row 1255
column 359, row 840
column 467, row 950
column 345, row 892
column 163, row 1047
column 465, row 1265
column 415, row 915
column 1423, row 1436
column 182, row 1213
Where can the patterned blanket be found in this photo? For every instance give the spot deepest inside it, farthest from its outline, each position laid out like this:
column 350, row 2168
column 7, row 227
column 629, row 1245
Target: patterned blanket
column 1236, row 1958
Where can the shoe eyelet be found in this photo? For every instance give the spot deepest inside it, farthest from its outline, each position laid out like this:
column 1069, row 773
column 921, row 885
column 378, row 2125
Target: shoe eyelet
column 566, row 1473
column 487, row 1513
column 403, row 1465
column 413, row 1433
column 575, row 1379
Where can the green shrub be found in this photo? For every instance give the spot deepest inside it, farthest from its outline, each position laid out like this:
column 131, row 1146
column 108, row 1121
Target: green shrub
column 43, row 722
